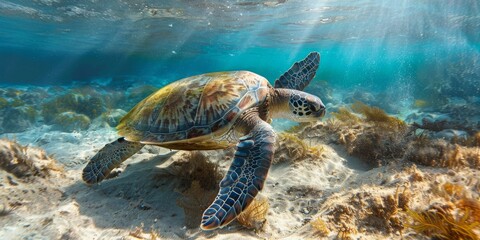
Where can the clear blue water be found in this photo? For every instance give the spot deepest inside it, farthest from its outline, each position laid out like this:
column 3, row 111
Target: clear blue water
column 69, row 70
column 363, row 43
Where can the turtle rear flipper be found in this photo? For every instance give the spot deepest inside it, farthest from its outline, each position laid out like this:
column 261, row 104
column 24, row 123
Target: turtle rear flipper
column 300, row 73
column 244, row 179
column 108, row 158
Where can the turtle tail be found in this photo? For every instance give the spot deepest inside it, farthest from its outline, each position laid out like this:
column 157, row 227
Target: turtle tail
column 108, row 158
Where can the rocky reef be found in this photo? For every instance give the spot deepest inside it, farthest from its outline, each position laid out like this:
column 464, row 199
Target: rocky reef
column 386, row 142
column 361, row 172
column 67, row 109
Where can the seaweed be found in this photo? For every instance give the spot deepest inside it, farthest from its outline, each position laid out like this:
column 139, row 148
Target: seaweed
column 373, row 135
column 320, row 227
column 345, row 231
column 30, row 113
column 439, row 153
column 13, row 159
column 253, row 217
column 18, row 119
column 197, row 168
column 427, row 152
column 198, row 185
column 458, row 157
column 383, row 211
column 471, row 141
column 379, row 117
column 452, row 190
column 470, row 205
column 403, row 200
column 370, row 212
column 475, row 140
column 344, row 115
column 23, row 162
column 440, row 223
column 345, row 216
column 467, row 156
column 377, row 147
column 139, row 233
column 296, row 149
column 300, row 127
column 416, row 175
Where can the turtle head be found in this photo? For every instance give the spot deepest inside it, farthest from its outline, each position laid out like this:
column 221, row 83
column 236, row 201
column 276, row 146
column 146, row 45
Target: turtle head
column 296, row 105
column 305, row 107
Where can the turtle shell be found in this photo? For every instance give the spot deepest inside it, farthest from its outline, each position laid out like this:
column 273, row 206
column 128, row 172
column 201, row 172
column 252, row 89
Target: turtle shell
column 192, row 108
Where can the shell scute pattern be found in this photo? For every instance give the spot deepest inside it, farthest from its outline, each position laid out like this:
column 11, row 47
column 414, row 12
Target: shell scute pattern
column 218, row 97
column 197, row 132
column 177, row 113
column 248, row 100
column 193, row 107
column 233, row 114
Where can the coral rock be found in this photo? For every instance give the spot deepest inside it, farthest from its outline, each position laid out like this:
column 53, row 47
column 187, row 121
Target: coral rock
column 18, row 119
column 71, row 121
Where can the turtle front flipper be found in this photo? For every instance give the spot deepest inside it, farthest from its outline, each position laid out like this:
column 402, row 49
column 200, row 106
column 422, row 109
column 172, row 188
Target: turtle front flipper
column 244, row 179
column 300, row 73
column 108, row 158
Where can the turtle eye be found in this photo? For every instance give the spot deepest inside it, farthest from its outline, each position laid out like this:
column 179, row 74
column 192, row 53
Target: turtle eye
column 313, row 108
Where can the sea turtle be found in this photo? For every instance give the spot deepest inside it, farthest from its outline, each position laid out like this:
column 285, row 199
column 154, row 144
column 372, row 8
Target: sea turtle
column 216, row 111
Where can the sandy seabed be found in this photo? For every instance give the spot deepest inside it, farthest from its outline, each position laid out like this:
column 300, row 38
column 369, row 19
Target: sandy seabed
column 327, row 181
column 48, row 199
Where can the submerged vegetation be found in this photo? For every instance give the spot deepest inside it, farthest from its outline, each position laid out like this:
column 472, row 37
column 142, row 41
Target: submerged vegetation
column 254, row 216
column 441, row 222
column 457, row 217
column 440, row 153
column 366, row 212
column 366, row 132
column 25, row 162
column 369, row 133
column 320, row 226
column 64, row 107
column 139, row 233
column 378, row 117
column 198, row 185
column 291, row 148
column 196, row 167
column 377, row 138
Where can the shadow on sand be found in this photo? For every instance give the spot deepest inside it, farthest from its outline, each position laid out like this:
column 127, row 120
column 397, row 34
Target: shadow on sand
column 143, row 195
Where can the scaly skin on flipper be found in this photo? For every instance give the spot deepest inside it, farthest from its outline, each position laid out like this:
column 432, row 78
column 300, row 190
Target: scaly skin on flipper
column 245, row 178
column 108, row 158
column 300, row 73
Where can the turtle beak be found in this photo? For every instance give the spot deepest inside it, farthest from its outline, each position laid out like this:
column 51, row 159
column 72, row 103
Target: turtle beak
column 321, row 112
